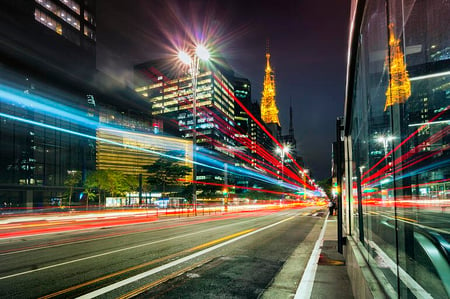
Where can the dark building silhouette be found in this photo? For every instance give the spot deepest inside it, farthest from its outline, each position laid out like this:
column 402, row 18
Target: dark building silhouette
column 54, row 99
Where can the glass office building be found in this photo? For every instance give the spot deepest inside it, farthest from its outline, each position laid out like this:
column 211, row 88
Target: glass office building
column 170, row 94
column 396, row 170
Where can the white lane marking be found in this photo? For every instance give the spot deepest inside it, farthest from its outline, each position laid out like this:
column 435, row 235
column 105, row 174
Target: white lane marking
column 305, row 287
column 118, row 250
column 135, row 278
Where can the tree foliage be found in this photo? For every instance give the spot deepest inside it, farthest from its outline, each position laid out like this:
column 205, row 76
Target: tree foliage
column 210, row 191
column 164, row 172
column 109, row 182
column 187, row 192
column 72, row 180
column 326, row 185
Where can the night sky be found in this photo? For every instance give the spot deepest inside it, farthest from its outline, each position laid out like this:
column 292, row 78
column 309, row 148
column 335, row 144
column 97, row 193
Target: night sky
column 308, row 45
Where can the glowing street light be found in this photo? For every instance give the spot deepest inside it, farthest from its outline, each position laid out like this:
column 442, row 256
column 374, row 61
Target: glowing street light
column 184, row 57
column 282, row 151
column 305, row 173
column 385, row 141
column 201, row 53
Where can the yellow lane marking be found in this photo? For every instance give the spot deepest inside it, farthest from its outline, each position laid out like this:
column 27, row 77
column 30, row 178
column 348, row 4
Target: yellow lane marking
column 398, row 217
column 162, row 280
column 406, row 219
column 171, row 256
column 221, row 239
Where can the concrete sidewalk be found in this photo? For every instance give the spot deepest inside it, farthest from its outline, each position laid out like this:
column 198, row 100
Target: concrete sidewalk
column 315, row 266
column 331, row 279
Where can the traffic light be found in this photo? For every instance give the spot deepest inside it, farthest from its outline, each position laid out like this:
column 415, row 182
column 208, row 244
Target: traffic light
column 225, row 191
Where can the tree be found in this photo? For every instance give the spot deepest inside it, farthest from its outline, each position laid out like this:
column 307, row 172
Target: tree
column 210, row 190
column 110, row 182
column 326, row 185
column 73, row 179
column 130, row 183
column 164, row 172
column 187, row 192
column 97, row 180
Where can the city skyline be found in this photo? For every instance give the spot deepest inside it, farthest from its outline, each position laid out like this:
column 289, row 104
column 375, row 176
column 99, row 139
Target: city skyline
column 310, row 77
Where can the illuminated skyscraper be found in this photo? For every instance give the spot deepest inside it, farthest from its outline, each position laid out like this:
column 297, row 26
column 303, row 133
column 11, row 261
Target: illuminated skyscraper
column 170, row 94
column 269, row 109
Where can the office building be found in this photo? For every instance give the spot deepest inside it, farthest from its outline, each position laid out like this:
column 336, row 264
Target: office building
column 170, row 94
column 53, row 101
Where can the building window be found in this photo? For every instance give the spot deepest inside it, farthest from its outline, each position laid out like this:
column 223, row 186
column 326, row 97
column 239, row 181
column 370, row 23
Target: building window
column 72, row 5
column 89, row 33
column 48, row 21
column 89, row 17
column 58, row 11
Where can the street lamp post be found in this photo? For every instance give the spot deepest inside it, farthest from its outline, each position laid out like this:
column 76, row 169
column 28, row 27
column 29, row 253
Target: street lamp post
column 305, row 172
column 385, row 141
column 282, row 151
column 201, row 53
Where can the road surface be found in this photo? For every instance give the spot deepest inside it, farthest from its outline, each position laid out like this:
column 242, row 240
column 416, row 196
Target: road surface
column 223, row 256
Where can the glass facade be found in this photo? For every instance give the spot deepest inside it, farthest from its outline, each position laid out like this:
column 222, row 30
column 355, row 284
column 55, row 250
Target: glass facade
column 172, row 98
column 41, row 142
column 396, row 183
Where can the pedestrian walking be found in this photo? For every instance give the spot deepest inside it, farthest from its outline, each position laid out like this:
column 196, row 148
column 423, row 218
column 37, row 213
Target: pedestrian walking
column 331, row 207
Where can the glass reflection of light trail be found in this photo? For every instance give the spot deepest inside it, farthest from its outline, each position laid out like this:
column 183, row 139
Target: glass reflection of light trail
column 410, row 155
column 403, row 142
column 45, row 106
column 211, row 158
column 406, row 164
column 261, row 151
column 435, row 182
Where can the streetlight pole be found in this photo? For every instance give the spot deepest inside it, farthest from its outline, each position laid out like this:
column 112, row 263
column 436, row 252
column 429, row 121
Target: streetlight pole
column 385, row 141
column 282, row 151
column 305, row 171
column 194, row 62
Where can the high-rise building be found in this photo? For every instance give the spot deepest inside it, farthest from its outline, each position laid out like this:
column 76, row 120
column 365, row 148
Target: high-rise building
column 53, row 101
column 245, row 135
column 170, row 94
column 290, row 141
column 44, row 54
column 62, row 31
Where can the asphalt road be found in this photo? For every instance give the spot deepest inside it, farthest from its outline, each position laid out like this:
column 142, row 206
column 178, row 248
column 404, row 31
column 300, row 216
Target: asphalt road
column 227, row 256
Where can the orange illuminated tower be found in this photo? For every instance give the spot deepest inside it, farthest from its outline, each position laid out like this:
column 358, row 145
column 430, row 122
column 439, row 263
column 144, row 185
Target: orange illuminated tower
column 399, row 88
column 269, row 109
